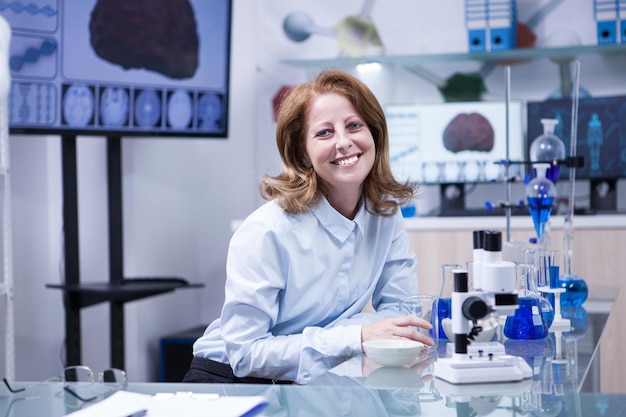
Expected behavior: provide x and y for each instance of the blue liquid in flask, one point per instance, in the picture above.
(527, 322)
(540, 209)
(576, 290)
(444, 310)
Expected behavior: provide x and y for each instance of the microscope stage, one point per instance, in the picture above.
(469, 370)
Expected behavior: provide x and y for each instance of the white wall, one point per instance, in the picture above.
(180, 195)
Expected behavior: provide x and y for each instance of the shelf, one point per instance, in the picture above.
(561, 53)
(94, 293)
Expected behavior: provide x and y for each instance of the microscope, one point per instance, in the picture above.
(495, 292)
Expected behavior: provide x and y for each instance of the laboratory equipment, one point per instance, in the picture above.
(576, 289)
(548, 148)
(528, 321)
(549, 268)
(546, 152)
(447, 286)
(355, 35)
(498, 295)
(540, 194)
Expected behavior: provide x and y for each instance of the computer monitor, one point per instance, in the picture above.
(158, 68)
(452, 144)
(601, 141)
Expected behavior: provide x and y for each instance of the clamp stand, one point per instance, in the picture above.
(559, 324)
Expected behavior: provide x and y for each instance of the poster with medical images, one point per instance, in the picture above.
(455, 142)
(102, 67)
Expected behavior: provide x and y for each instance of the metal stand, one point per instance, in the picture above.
(117, 291)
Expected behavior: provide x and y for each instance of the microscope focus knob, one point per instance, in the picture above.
(474, 308)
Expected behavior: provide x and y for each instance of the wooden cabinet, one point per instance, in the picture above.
(600, 242)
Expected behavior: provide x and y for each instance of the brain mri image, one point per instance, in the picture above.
(179, 109)
(78, 105)
(157, 35)
(469, 132)
(210, 111)
(147, 108)
(114, 106)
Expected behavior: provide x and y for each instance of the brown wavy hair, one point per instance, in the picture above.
(297, 188)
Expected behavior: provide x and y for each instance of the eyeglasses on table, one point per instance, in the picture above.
(79, 381)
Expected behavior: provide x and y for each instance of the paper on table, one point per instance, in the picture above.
(123, 404)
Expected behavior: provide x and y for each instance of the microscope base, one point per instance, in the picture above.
(466, 370)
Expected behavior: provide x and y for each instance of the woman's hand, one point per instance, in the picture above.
(397, 328)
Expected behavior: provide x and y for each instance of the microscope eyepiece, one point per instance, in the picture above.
(478, 238)
(492, 241)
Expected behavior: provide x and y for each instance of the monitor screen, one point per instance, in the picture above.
(131, 68)
(600, 132)
(460, 142)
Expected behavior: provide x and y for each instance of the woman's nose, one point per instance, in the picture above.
(343, 140)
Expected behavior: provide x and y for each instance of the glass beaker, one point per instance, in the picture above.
(576, 289)
(425, 307)
(444, 307)
(528, 321)
(547, 277)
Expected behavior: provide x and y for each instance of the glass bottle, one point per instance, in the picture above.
(444, 306)
(547, 148)
(540, 194)
(576, 289)
(528, 322)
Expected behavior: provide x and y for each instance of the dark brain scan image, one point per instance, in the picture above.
(157, 35)
(468, 132)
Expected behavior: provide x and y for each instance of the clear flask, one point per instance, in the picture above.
(576, 289)
(528, 322)
(444, 306)
(547, 146)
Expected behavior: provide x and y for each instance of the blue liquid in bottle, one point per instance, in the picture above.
(576, 290)
(527, 322)
(540, 209)
(444, 309)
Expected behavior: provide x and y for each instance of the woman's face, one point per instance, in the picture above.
(339, 146)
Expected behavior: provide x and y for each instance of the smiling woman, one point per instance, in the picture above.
(340, 149)
(302, 267)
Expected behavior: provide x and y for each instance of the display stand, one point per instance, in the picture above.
(118, 290)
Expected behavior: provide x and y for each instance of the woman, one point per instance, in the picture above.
(302, 267)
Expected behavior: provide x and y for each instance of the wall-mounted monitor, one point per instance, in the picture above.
(600, 140)
(601, 133)
(460, 142)
(127, 68)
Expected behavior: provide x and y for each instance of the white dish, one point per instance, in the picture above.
(393, 352)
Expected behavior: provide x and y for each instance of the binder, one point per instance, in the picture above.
(605, 12)
(502, 24)
(476, 24)
(491, 25)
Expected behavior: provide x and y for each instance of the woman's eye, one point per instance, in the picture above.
(323, 133)
(355, 125)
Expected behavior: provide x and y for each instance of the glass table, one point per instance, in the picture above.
(565, 382)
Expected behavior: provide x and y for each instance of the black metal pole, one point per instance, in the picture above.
(71, 248)
(116, 247)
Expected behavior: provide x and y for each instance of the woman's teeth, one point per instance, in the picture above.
(348, 161)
